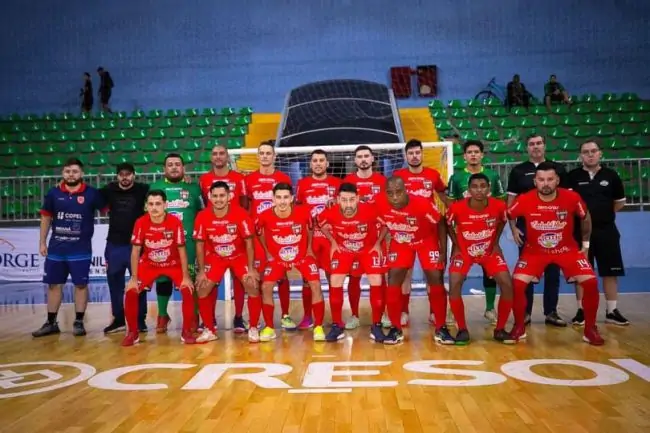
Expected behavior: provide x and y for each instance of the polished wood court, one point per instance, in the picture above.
(231, 405)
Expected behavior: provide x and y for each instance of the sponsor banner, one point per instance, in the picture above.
(20, 259)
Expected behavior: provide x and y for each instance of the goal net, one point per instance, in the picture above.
(294, 161)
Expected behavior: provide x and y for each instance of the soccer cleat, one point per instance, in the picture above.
(395, 336)
(239, 325)
(592, 337)
(78, 329)
(554, 319)
(404, 319)
(187, 337)
(287, 323)
(462, 337)
(306, 323)
(579, 319)
(490, 316)
(352, 323)
(253, 335)
(130, 339)
(47, 329)
(616, 318)
(385, 322)
(376, 333)
(442, 336)
(518, 332)
(336, 333)
(114, 327)
(267, 334)
(503, 336)
(162, 324)
(319, 333)
(206, 336)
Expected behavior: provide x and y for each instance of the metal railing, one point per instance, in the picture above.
(21, 197)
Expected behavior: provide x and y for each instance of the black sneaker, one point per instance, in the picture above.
(336, 333)
(377, 333)
(115, 327)
(239, 326)
(443, 336)
(616, 318)
(462, 337)
(503, 336)
(554, 319)
(395, 336)
(78, 329)
(579, 319)
(527, 319)
(47, 329)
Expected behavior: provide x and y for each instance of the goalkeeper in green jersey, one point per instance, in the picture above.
(183, 201)
(458, 189)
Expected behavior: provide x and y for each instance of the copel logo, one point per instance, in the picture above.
(28, 378)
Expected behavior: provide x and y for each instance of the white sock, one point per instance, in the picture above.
(611, 306)
(579, 302)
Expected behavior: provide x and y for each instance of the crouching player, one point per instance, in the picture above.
(158, 251)
(351, 229)
(224, 241)
(475, 225)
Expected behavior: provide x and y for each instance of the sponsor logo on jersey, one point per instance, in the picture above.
(355, 265)
(478, 250)
(428, 184)
(262, 195)
(288, 254)
(399, 227)
(317, 210)
(363, 228)
(543, 226)
(458, 263)
(561, 215)
(223, 239)
(521, 264)
(491, 222)
(547, 207)
(178, 203)
(353, 246)
(376, 189)
(318, 199)
(185, 194)
(421, 193)
(353, 236)
(296, 228)
(331, 191)
(335, 264)
(154, 245)
(402, 238)
(68, 216)
(287, 240)
(392, 257)
(478, 236)
(225, 250)
(81, 199)
(168, 234)
(265, 205)
(232, 228)
(550, 240)
(411, 221)
(159, 256)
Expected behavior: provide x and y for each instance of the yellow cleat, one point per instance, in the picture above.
(267, 334)
(319, 333)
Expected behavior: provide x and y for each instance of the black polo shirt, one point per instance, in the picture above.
(599, 193)
(125, 206)
(521, 178)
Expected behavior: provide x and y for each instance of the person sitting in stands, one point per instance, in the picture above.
(554, 92)
(517, 93)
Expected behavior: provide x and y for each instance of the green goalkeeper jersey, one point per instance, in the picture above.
(184, 201)
(459, 184)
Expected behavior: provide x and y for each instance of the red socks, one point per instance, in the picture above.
(306, 299)
(131, 302)
(319, 312)
(377, 303)
(406, 299)
(267, 312)
(187, 307)
(590, 302)
(336, 304)
(354, 294)
(503, 312)
(207, 310)
(254, 310)
(238, 295)
(394, 305)
(438, 304)
(519, 302)
(458, 308)
(284, 295)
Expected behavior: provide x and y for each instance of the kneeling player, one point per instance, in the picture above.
(158, 251)
(285, 233)
(224, 241)
(475, 227)
(351, 230)
(550, 213)
(415, 230)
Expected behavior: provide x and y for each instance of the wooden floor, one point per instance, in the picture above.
(506, 400)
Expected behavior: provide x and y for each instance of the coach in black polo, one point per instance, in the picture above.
(602, 190)
(521, 181)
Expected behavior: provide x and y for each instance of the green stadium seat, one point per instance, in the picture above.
(469, 135)
(221, 121)
(10, 209)
(8, 191)
(143, 159)
(227, 111)
(561, 109)
(459, 113)
(627, 130)
(639, 142)
(499, 148)
(218, 132)
(589, 97)
(108, 147)
(571, 120)
(641, 106)
(137, 114)
(459, 163)
(121, 115)
(557, 132)
(510, 133)
(144, 123)
(549, 121)
(49, 149)
(563, 145)
(204, 157)
(98, 160)
(235, 143)
(242, 120)
(154, 114)
(519, 111)
(87, 147)
(197, 133)
(498, 112)
(134, 134)
(507, 159)
(158, 159)
(192, 145)
(582, 131)
(170, 146)
(539, 110)
(438, 113)
(70, 126)
(474, 103)
(491, 135)
(148, 146)
(632, 191)
(528, 122)
(629, 97)
(208, 112)
(7, 150)
(127, 146)
(614, 144)
(493, 102)
(624, 174)
(457, 149)
(436, 104)
(172, 113)
(507, 123)
(117, 158)
(609, 97)
(30, 161)
(163, 122)
(593, 119)
(202, 122)
(188, 157)
(10, 163)
(583, 108)
(485, 124)
(26, 150)
(635, 117)
(175, 133)
(455, 103)
(464, 124)
(191, 112)
(32, 191)
(605, 130)
(245, 111)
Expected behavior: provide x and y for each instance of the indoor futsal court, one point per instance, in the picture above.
(552, 382)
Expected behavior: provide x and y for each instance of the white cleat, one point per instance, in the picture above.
(206, 336)
(352, 323)
(253, 335)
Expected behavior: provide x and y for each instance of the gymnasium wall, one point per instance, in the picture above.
(170, 54)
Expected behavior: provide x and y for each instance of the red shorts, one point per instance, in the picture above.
(492, 264)
(147, 274)
(358, 264)
(321, 248)
(260, 256)
(402, 256)
(572, 264)
(276, 270)
(216, 267)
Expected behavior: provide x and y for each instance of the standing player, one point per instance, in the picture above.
(259, 187)
(458, 190)
(475, 227)
(316, 192)
(224, 240)
(158, 250)
(369, 185)
(415, 230)
(184, 202)
(550, 214)
(69, 209)
(235, 180)
(285, 233)
(350, 229)
(420, 182)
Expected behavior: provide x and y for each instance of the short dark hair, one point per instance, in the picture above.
(412, 144)
(220, 184)
(533, 135)
(282, 186)
(477, 143)
(591, 140)
(478, 176)
(546, 166)
(348, 187)
(73, 161)
(157, 193)
(100, 69)
(125, 166)
(318, 152)
(270, 143)
(361, 148)
(174, 155)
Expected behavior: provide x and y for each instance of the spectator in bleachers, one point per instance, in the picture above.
(517, 93)
(554, 92)
(87, 94)
(105, 88)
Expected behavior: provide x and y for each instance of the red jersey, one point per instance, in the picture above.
(356, 234)
(316, 194)
(476, 231)
(259, 188)
(223, 236)
(234, 179)
(421, 184)
(367, 188)
(411, 224)
(286, 238)
(549, 224)
(159, 242)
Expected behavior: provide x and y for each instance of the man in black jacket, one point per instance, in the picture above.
(105, 88)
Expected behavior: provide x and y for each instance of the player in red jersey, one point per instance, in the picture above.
(285, 233)
(422, 182)
(316, 192)
(224, 241)
(158, 250)
(350, 229)
(235, 180)
(369, 186)
(475, 225)
(550, 213)
(259, 187)
(415, 230)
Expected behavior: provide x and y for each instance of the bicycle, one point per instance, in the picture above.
(492, 91)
